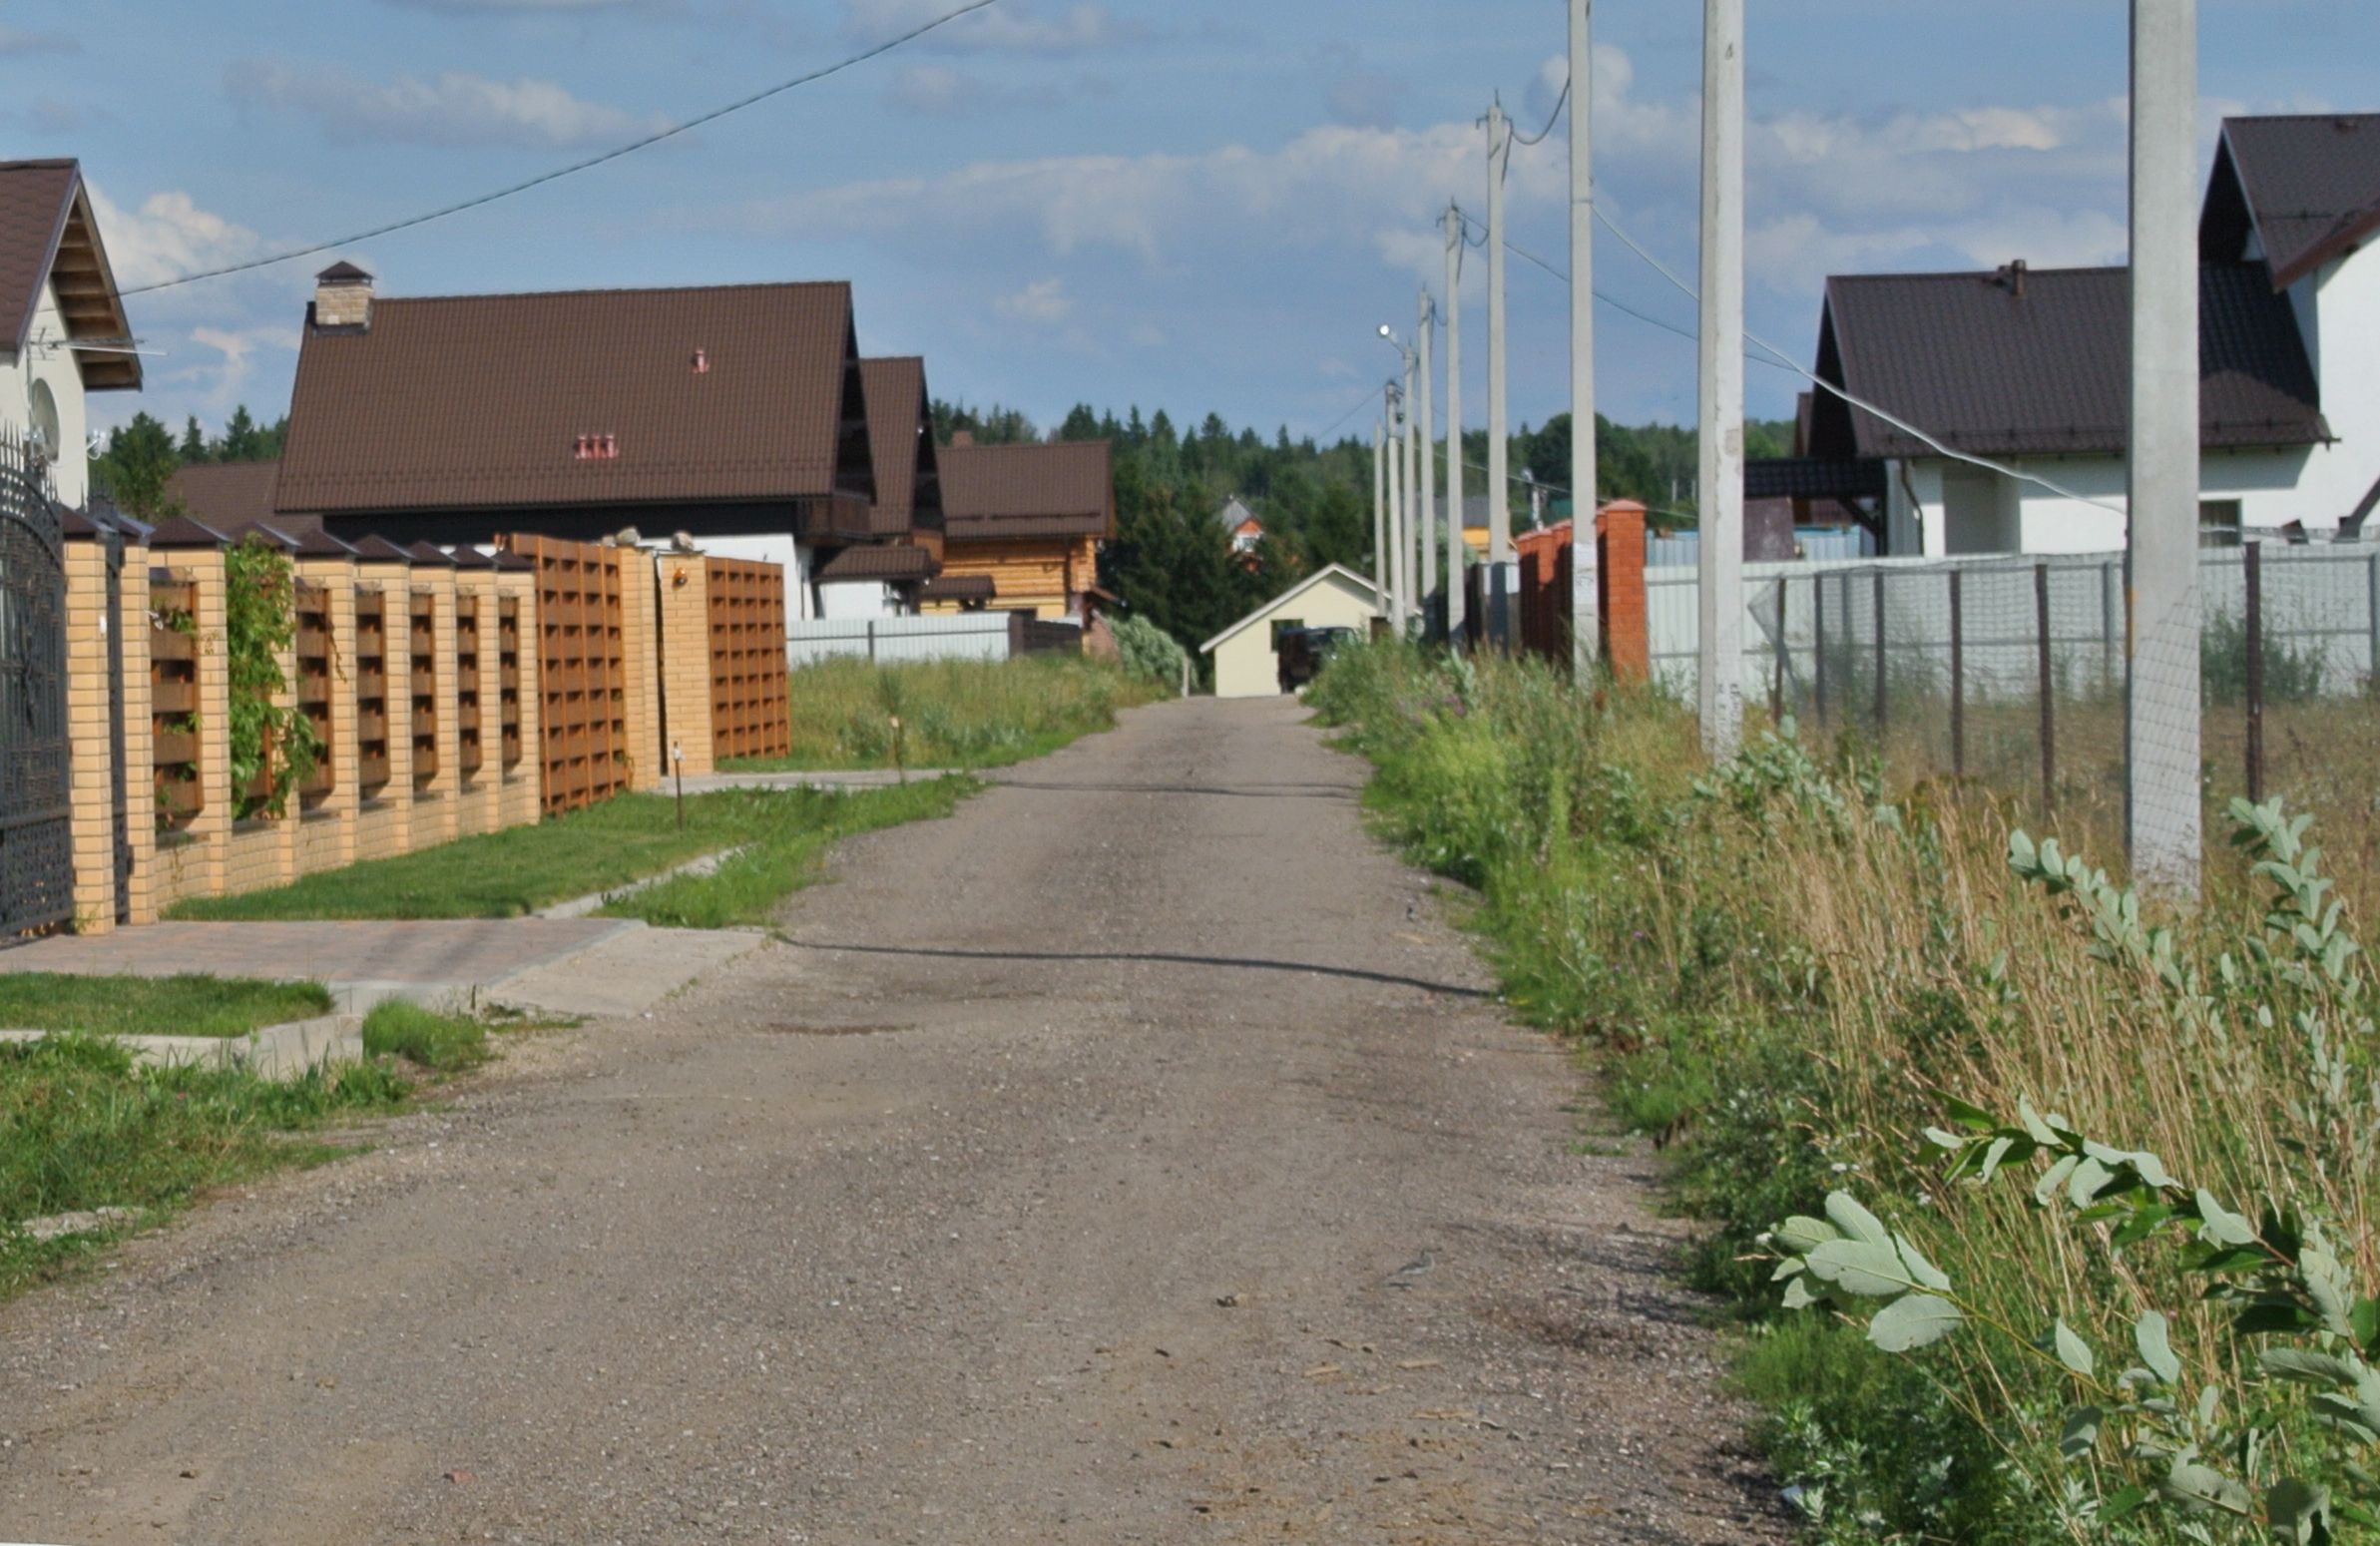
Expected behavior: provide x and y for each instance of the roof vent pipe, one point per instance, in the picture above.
(701, 362)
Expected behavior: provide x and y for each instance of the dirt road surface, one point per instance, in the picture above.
(1137, 1157)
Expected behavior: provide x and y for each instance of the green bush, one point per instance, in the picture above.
(1149, 651)
(444, 1043)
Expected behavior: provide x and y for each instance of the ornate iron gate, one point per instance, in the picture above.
(36, 847)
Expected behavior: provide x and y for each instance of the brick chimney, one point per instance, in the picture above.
(344, 299)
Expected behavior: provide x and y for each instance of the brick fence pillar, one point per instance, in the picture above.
(1619, 589)
(639, 630)
(90, 735)
(686, 660)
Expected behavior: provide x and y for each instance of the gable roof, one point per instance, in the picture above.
(1235, 514)
(1290, 594)
(901, 442)
(1065, 488)
(2306, 187)
(48, 235)
(2037, 363)
(879, 560)
(730, 394)
(226, 494)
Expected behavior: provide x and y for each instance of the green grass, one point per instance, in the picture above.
(504, 874)
(788, 832)
(953, 714)
(82, 1127)
(443, 1043)
(186, 1005)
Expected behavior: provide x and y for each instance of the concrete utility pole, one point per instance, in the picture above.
(1426, 318)
(1400, 559)
(1380, 510)
(1499, 475)
(1721, 550)
(1585, 598)
(1414, 601)
(2162, 721)
(1455, 600)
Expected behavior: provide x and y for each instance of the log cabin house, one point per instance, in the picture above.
(1023, 527)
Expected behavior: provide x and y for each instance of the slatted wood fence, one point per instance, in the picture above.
(749, 713)
(582, 670)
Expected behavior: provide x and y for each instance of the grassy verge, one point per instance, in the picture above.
(508, 873)
(186, 1005)
(426, 1038)
(785, 833)
(953, 714)
(1785, 966)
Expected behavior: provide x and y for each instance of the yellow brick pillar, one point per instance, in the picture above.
(640, 660)
(523, 794)
(140, 738)
(686, 660)
(384, 818)
(327, 836)
(89, 733)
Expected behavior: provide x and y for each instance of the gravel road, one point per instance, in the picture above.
(1136, 1156)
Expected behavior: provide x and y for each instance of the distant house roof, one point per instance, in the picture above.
(1326, 572)
(226, 494)
(901, 439)
(880, 562)
(1065, 488)
(959, 586)
(747, 393)
(1475, 511)
(1234, 515)
(48, 235)
(2306, 187)
(2037, 363)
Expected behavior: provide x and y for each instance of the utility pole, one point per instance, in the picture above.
(1399, 560)
(1415, 602)
(2161, 718)
(1585, 590)
(1499, 476)
(1380, 512)
(1426, 318)
(1455, 598)
(1721, 550)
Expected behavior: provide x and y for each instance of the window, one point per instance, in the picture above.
(2219, 523)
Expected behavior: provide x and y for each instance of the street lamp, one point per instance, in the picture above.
(1405, 515)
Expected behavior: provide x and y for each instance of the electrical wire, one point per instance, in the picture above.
(1622, 306)
(1361, 404)
(559, 173)
(1552, 118)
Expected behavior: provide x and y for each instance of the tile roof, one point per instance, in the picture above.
(877, 562)
(1065, 488)
(48, 233)
(908, 486)
(959, 586)
(2308, 185)
(2003, 365)
(226, 494)
(743, 393)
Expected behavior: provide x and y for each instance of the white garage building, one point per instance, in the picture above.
(1246, 663)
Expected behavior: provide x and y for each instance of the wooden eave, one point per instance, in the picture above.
(87, 300)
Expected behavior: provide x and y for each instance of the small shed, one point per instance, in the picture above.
(1246, 663)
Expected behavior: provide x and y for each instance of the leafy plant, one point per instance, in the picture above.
(270, 738)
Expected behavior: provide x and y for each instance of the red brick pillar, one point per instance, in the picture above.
(1619, 586)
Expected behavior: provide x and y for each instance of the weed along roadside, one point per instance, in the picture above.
(2040, 1221)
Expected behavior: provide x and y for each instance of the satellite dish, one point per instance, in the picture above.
(42, 438)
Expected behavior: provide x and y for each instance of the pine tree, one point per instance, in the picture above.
(193, 442)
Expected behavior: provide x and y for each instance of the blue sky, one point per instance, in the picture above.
(1196, 207)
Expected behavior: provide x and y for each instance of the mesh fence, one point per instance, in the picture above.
(2011, 671)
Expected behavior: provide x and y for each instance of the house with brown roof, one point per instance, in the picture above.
(2031, 367)
(736, 415)
(1024, 527)
(882, 578)
(62, 318)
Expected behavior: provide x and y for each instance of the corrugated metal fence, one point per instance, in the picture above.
(970, 636)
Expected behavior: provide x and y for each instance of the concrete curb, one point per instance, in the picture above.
(274, 1052)
(594, 901)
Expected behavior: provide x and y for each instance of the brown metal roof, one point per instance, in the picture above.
(2308, 186)
(959, 586)
(874, 562)
(1065, 488)
(2003, 365)
(744, 392)
(226, 494)
(900, 436)
(48, 234)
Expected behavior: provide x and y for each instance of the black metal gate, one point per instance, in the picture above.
(36, 843)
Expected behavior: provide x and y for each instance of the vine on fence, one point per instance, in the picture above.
(271, 740)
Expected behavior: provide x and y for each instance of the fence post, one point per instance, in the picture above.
(1818, 639)
(2107, 625)
(2371, 611)
(2049, 699)
(1776, 659)
(871, 641)
(2252, 562)
(1958, 679)
(1880, 678)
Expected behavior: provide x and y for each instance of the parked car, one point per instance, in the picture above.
(1306, 651)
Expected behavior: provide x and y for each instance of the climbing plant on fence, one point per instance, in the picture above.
(274, 745)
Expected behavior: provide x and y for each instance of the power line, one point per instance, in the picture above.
(1361, 404)
(1552, 118)
(559, 173)
(1616, 304)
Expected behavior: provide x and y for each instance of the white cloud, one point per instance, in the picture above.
(167, 237)
(940, 91)
(217, 383)
(1043, 303)
(454, 108)
(1014, 27)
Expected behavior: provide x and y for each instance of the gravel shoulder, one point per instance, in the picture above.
(1136, 1156)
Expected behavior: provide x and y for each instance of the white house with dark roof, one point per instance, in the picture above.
(61, 320)
(2030, 368)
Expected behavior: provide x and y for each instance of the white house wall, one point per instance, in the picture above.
(55, 367)
(2273, 488)
(857, 601)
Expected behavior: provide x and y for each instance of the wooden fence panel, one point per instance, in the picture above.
(582, 675)
(749, 713)
(180, 793)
